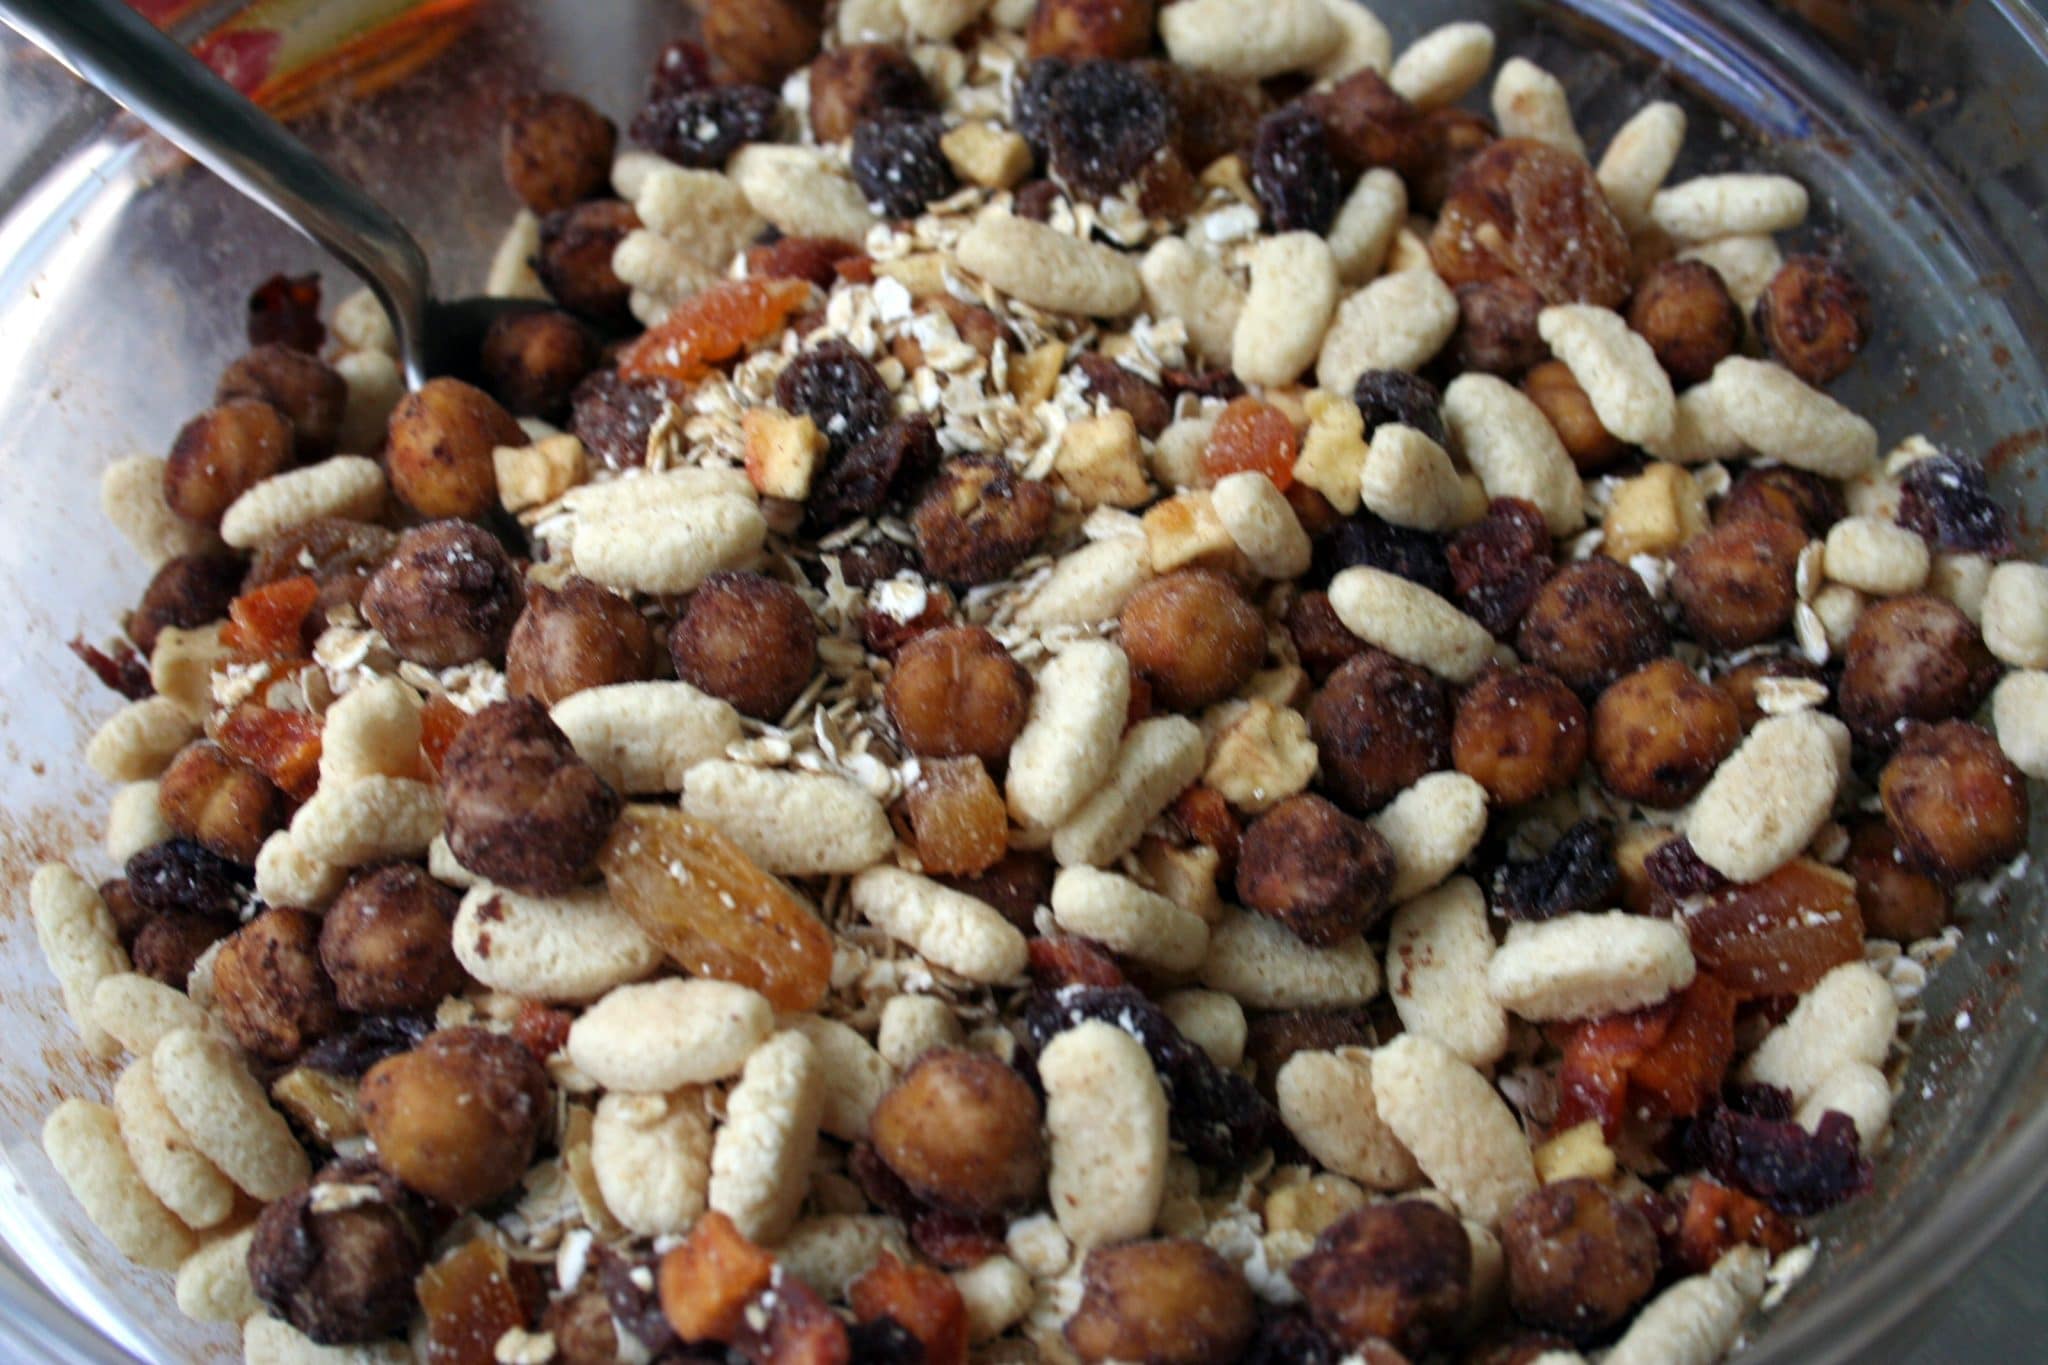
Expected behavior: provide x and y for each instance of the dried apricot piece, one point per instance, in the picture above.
(441, 720)
(471, 1298)
(1717, 1220)
(922, 1299)
(1780, 935)
(707, 1280)
(1599, 1054)
(959, 818)
(282, 745)
(707, 905)
(1682, 1074)
(268, 625)
(713, 327)
(1256, 436)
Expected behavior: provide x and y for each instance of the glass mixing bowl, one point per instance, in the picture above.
(123, 275)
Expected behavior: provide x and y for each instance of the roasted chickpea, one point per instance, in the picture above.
(523, 809)
(441, 439)
(1519, 733)
(1790, 495)
(1443, 142)
(856, 81)
(1659, 733)
(1742, 683)
(556, 149)
(308, 391)
(576, 637)
(336, 1258)
(1590, 623)
(1320, 873)
(223, 453)
(1737, 585)
(1401, 1272)
(1194, 637)
(448, 595)
(1955, 802)
(1320, 640)
(1081, 30)
(956, 692)
(457, 1117)
(533, 361)
(1380, 724)
(1169, 1302)
(1578, 1258)
(269, 986)
(386, 942)
(187, 592)
(222, 805)
(1814, 318)
(1898, 901)
(575, 260)
(1553, 387)
(962, 1130)
(761, 41)
(749, 639)
(1497, 327)
(581, 1324)
(168, 946)
(338, 554)
(980, 520)
(1912, 658)
(1684, 310)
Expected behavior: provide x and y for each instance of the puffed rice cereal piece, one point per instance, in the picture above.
(801, 191)
(2016, 614)
(651, 1155)
(831, 1251)
(375, 384)
(1367, 46)
(1398, 322)
(535, 475)
(1876, 557)
(345, 486)
(997, 1294)
(1089, 585)
(132, 497)
(761, 1159)
(1127, 918)
(1529, 102)
(1432, 828)
(703, 211)
(287, 875)
(225, 1113)
(948, 928)
(1629, 391)
(856, 1077)
(1326, 1101)
(1695, 1321)
(1771, 796)
(213, 1282)
(1211, 1020)
(182, 664)
(1181, 282)
(1443, 66)
(1439, 947)
(1961, 580)
(137, 1011)
(134, 822)
(1514, 450)
(1409, 480)
(1224, 37)
(793, 824)
(912, 1025)
(1579, 966)
(645, 737)
(2019, 716)
(361, 324)
(83, 1141)
(1068, 746)
(368, 821)
(1288, 308)
(1781, 417)
(667, 1034)
(139, 741)
(1048, 269)
(1105, 1113)
(1259, 754)
(1410, 622)
(555, 949)
(1638, 161)
(1716, 206)
(1849, 1017)
(1334, 452)
(1461, 1133)
(1700, 429)
(372, 731)
(1857, 1090)
(1262, 524)
(80, 943)
(273, 1341)
(1373, 212)
(1185, 876)
(1266, 968)
(667, 550)
(1158, 760)
(511, 274)
(189, 1185)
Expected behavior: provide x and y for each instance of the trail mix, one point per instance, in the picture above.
(1101, 686)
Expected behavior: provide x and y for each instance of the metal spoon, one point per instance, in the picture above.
(123, 56)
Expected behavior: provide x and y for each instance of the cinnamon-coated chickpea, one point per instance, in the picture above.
(387, 942)
(856, 81)
(1380, 724)
(1321, 641)
(957, 692)
(1590, 623)
(1194, 636)
(457, 1118)
(980, 520)
(1659, 733)
(1814, 318)
(225, 806)
(1082, 30)
(1579, 1259)
(1519, 733)
(1898, 901)
(1791, 495)
(962, 1130)
(441, 438)
(575, 637)
(1497, 331)
(270, 988)
(168, 946)
(749, 639)
(575, 260)
(338, 554)
(187, 592)
(532, 362)
(308, 391)
(1743, 682)
(1553, 387)
(761, 41)
(341, 1273)
(523, 808)
(448, 595)
(1684, 310)
(1400, 1272)
(556, 149)
(1912, 658)
(1169, 1302)
(1737, 585)
(1316, 870)
(223, 453)
(1955, 802)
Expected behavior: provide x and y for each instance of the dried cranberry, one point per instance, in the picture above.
(1775, 1160)
(369, 1041)
(1678, 871)
(1216, 1114)
(1104, 124)
(1948, 501)
(613, 416)
(1365, 539)
(1397, 396)
(898, 163)
(836, 387)
(1500, 562)
(860, 482)
(1294, 172)
(884, 1341)
(179, 876)
(1065, 960)
(703, 128)
(124, 670)
(1577, 874)
(1289, 1338)
(1031, 106)
(285, 311)
(682, 67)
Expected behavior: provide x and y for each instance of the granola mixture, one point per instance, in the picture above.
(1101, 686)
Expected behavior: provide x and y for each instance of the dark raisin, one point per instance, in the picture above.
(898, 163)
(703, 128)
(1294, 172)
(860, 482)
(884, 1341)
(1016, 886)
(285, 311)
(129, 914)
(1031, 106)
(1948, 501)
(1035, 200)
(179, 876)
(1289, 1338)
(1440, 145)
(1500, 562)
(1576, 875)
(1213, 115)
(1216, 1114)
(613, 415)
(167, 948)
(1104, 123)
(1779, 1162)
(1121, 388)
(1067, 960)
(1365, 539)
(956, 1241)
(1677, 870)
(1201, 383)
(124, 671)
(1497, 326)
(682, 67)
(1369, 124)
(629, 1288)
(365, 1043)
(863, 566)
(836, 387)
(1397, 396)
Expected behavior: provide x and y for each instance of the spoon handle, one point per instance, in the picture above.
(122, 55)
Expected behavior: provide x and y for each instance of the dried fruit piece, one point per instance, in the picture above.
(471, 1298)
(1780, 935)
(1252, 436)
(124, 671)
(1370, 124)
(1104, 124)
(1682, 1072)
(1948, 500)
(898, 164)
(1592, 1082)
(178, 876)
(960, 820)
(837, 388)
(1149, 407)
(1779, 1162)
(800, 258)
(1062, 960)
(613, 416)
(703, 128)
(708, 1279)
(1526, 209)
(800, 1329)
(1577, 875)
(924, 1301)
(284, 310)
(282, 745)
(693, 892)
(1717, 1219)
(1294, 171)
(711, 328)
(268, 624)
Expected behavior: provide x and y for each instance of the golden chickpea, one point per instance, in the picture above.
(270, 988)
(441, 439)
(228, 808)
(957, 692)
(1659, 733)
(1194, 637)
(308, 391)
(1171, 1302)
(1684, 310)
(1590, 623)
(1520, 734)
(1578, 1259)
(1955, 802)
(576, 637)
(761, 41)
(1814, 317)
(962, 1130)
(1737, 585)
(1553, 387)
(457, 1118)
(556, 149)
(223, 453)
(749, 639)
